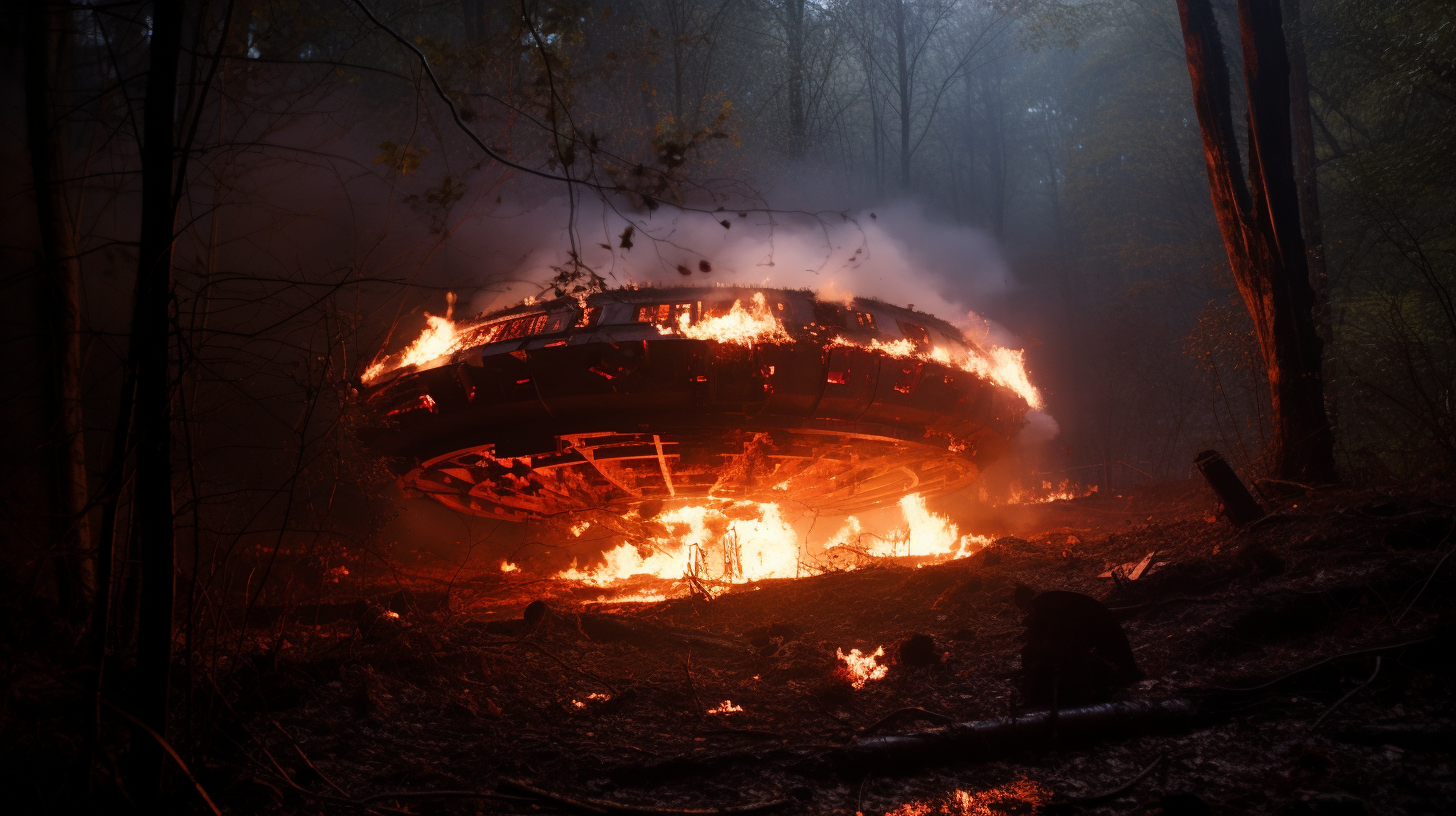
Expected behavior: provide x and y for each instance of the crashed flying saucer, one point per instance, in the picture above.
(634, 397)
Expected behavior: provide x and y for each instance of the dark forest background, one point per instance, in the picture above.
(329, 189)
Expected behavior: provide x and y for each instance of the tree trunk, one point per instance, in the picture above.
(876, 126)
(1259, 220)
(1306, 176)
(61, 302)
(794, 34)
(677, 17)
(968, 144)
(151, 338)
(995, 153)
(902, 68)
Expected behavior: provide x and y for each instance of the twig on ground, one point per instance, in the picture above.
(753, 732)
(688, 672)
(1348, 695)
(892, 715)
(446, 794)
(558, 660)
(323, 797)
(603, 807)
(1430, 577)
(1073, 802)
(166, 746)
(308, 761)
(1276, 681)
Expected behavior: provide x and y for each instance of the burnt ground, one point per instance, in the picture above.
(612, 706)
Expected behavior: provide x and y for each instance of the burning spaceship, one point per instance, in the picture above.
(633, 398)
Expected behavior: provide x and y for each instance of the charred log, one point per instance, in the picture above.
(1238, 504)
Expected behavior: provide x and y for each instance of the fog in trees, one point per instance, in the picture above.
(195, 285)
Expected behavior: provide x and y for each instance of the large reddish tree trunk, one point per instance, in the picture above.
(1259, 219)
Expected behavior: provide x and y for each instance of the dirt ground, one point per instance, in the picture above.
(613, 706)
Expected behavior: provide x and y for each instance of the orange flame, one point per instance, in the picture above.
(860, 668)
(707, 543)
(726, 707)
(437, 340)
(1006, 367)
(925, 533)
(740, 542)
(1020, 796)
(745, 326)
(1063, 492)
(1002, 366)
(632, 597)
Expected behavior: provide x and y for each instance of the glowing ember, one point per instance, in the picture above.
(746, 326)
(390, 613)
(507, 566)
(632, 597)
(594, 697)
(1021, 796)
(1063, 492)
(579, 528)
(860, 668)
(726, 707)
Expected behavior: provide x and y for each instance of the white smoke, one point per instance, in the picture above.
(896, 253)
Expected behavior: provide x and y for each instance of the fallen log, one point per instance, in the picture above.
(1070, 804)
(1002, 736)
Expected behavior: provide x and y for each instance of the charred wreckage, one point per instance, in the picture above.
(632, 398)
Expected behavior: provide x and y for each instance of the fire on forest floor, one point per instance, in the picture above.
(753, 702)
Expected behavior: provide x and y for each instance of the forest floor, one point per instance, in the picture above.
(577, 708)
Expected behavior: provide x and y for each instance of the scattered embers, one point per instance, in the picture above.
(450, 706)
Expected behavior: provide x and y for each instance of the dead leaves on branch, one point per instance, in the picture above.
(437, 201)
(402, 159)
